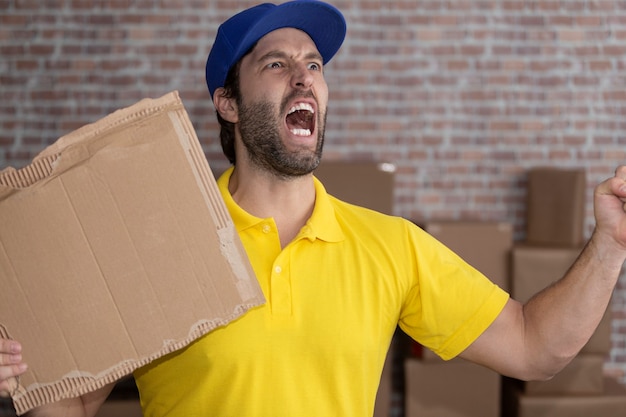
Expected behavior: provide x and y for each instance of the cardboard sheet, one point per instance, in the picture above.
(115, 249)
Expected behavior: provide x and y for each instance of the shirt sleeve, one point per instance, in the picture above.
(449, 303)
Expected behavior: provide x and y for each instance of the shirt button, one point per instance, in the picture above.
(278, 269)
(266, 228)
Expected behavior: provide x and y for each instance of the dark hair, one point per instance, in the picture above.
(227, 131)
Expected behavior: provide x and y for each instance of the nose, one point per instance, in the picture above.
(302, 77)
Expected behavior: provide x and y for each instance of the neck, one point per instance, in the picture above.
(289, 201)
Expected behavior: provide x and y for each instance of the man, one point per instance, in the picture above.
(339, 278)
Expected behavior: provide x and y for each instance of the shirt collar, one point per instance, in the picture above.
(321, 225)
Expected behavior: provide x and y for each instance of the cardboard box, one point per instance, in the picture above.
(556, 206)
(364, 183)
(115, 249)
(536, 267)
(367, 184)
(484, 245)
(584, 375)
(451, 389)
(611, 403)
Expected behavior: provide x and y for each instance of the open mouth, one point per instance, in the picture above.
(301, 120)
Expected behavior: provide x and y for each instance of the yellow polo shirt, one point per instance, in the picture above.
(334, 297)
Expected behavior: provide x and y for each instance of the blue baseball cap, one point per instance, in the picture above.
(321, 21)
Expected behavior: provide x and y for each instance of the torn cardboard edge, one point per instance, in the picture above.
(72, 385)
(30, 174)
(53, 162)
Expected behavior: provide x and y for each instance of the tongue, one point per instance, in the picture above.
(299, 120)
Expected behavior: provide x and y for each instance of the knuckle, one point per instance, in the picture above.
(6, 346)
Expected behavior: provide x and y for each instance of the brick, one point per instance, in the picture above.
(13, 19)
(40, 49)
(26, 65)
(7, 50)
(571, 35)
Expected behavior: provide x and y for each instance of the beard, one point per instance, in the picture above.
(259, 125)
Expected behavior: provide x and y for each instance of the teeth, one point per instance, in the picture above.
(301, 132)
(301, 106)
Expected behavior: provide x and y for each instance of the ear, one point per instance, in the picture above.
(226, 107)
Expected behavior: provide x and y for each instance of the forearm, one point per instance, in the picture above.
(536, 340)
(559, 320)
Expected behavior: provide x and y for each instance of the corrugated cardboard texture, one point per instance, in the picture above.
(115, 249)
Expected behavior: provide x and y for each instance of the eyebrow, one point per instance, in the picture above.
(280, 54)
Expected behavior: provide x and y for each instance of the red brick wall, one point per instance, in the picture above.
(463, 96)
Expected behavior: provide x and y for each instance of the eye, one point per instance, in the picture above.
(315, 66)
(274, 65)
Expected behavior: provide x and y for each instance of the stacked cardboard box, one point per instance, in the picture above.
(611, 402)
(458, 388)
(484, 245)
(554, 239)
(367, 184)
(536, 267)
(555, 213)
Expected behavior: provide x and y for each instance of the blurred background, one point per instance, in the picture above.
(464, 98)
